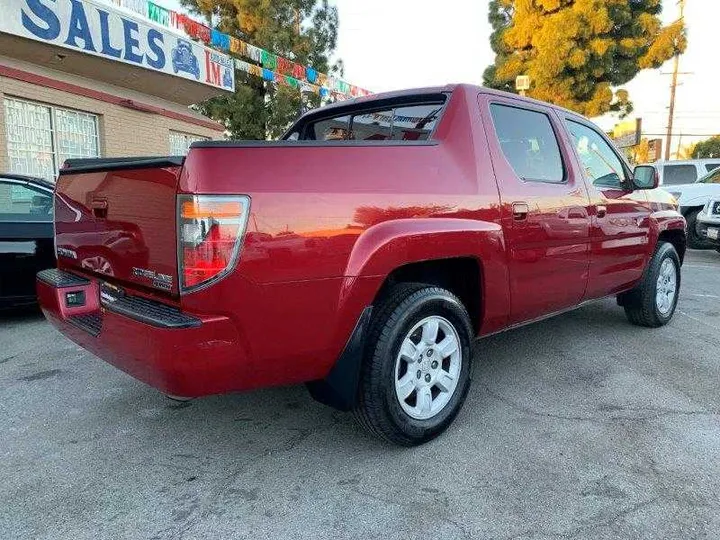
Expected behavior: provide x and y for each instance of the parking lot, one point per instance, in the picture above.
(581, 426)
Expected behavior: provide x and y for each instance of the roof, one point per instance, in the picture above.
(436, 90)
(41, 182)
(388, 95)
(686, 161)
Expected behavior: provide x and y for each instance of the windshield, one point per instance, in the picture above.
(713, 177)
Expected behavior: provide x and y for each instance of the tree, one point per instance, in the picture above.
(686, 151)
(304, 31)
(641, 152)
(577, 51)
(709, 148)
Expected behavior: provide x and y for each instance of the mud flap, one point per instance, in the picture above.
(339, 388)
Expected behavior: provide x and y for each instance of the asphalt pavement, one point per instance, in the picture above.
(581, 426)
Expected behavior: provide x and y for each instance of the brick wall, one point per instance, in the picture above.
(123, 131)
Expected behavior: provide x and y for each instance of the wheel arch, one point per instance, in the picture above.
(465, 256)
(677, 238)
(686, 209)
(462, 276)
(668, 226)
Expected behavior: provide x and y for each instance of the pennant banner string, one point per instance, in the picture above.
(271, 67)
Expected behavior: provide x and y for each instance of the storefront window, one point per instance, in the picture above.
(180, 142)
(76, 134)
(40, 138)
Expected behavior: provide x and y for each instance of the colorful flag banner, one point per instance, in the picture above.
(283, 70)
(158, 14)
(220, 40)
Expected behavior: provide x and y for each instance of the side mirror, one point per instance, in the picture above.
(645, 177)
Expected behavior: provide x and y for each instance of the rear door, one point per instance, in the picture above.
(620, 216)
(544, 207)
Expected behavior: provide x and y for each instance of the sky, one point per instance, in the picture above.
(395, 44)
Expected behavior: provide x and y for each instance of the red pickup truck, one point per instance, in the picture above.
(362, 254)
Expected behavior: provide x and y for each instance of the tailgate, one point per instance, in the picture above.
(116, 218)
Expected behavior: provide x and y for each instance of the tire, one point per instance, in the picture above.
(643, 305)
(695, 241)
(379, 408)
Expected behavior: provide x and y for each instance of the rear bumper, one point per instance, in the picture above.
(176, 352)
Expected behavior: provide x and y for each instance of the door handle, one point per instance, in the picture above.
(520, 211)
(99, 208)
(601, 210)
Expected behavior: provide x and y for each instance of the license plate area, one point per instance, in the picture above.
(110, 294)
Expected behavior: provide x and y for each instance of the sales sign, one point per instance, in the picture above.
(100, 30)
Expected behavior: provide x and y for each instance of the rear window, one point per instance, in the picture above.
(679, 174)
(411, 122)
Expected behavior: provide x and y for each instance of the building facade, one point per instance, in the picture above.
(81, 78)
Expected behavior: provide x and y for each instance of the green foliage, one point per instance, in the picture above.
(577, 51)
(709, 148)
(259, 110)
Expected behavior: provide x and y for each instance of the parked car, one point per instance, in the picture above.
(709, 222)
(365, 266)
(692, 198)
(26, 236)
(673, 173)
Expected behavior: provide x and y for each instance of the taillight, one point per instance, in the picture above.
(210, 233)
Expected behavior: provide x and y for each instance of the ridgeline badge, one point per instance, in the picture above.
(159, 281)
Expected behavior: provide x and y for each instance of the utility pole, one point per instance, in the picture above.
(673, 89)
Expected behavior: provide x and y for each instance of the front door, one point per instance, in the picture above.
(545, 207)
(621, 216)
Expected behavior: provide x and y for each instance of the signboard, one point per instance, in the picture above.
(522, 82)
(100, 30)
(627, 133)
(654, 150)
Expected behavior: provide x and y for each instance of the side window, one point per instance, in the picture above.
(679, 174)
(711, 166)
(528, 142)
(711, 178)
(22, 203)
(600, 162)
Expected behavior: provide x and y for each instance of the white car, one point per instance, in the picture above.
(687, 171)
(692, 198)
(708, 222)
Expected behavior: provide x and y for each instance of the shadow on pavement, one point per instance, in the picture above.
(20, 314)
